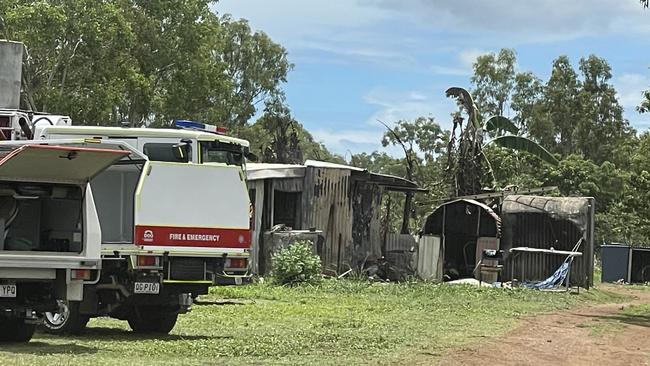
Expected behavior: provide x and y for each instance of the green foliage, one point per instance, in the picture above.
(500, 124)
(519, 143)
(296, 264)
(465, 157)
(277, 137)
(644, 107)
(148, 62)
(494, 76)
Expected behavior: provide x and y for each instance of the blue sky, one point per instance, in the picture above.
(357, 61)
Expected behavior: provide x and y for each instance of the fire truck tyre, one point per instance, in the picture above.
(15, 330)
(147, 320)
(68, 321)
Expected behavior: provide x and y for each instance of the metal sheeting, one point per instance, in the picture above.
(548, 222)
(259, 171)
(399, 242)
(430, 258)
(440, 216)
(574, 209)
(325, 164)
(328, 207)
(399, 251)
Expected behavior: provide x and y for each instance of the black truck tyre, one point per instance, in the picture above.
(16, 330)
(152, 320)
(69, 321)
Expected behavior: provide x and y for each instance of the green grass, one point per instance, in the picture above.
(334, 323)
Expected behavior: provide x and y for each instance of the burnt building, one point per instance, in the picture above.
(536, 233)
(337, 206)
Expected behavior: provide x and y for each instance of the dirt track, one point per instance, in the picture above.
(593, 335)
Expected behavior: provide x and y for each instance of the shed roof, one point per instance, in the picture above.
(325, 164)
(482, 205)
(575, 209)
(257, 171)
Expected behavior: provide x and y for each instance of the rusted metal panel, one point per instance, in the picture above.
(327, 207)
(545, 223)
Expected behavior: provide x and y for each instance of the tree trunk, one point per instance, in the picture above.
(408, 202)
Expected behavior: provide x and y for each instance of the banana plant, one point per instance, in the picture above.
(465, 159)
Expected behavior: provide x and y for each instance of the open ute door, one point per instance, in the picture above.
(56, 164)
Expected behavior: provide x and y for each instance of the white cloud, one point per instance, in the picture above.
(468, 57)
(630, 88)
(350, 141)
(396, 105)
(539, 20)
(355, 51)
(297, 18)
(392, 106)
(453, 71)
(464, 66)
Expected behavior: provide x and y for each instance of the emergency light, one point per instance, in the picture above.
(193, 125)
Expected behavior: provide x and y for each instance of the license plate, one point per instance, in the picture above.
(147, 288)
(7, 290)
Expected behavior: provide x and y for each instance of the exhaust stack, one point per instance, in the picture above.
(11, 61)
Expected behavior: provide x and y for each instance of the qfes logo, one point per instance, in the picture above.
(147, 236)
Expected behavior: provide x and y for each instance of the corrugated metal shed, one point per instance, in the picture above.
(343, 202)
(545, 223)
(460, 224)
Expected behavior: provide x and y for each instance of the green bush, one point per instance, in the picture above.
(296, 264)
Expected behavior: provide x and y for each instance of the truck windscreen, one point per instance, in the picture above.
(220, 152)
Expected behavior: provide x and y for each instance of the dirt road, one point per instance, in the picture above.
(608, 334)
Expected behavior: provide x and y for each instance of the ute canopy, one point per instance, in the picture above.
(56, 164)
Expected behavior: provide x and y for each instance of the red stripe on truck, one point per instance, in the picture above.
(192, 237)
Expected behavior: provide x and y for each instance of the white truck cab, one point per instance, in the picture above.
(50, 236)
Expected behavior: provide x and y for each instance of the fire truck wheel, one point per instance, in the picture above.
(67, 321)
(148, 320)
(15, 330)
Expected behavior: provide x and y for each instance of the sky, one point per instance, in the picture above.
(360, 61)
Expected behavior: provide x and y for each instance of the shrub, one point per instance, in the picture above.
(296, 264)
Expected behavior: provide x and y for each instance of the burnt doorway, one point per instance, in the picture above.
(286, 208)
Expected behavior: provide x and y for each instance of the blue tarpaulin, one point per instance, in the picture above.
(555, 280)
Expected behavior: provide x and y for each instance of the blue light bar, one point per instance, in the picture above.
(179, 123)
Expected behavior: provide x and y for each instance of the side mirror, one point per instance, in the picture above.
(251, 157)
